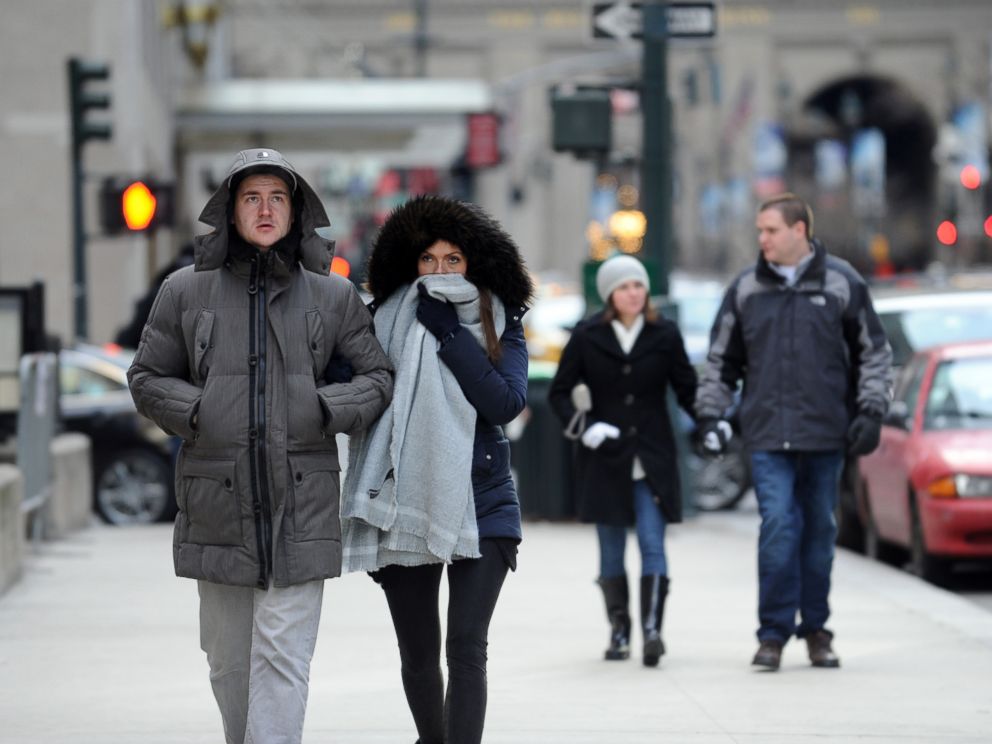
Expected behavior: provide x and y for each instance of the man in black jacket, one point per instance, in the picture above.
(799, 328)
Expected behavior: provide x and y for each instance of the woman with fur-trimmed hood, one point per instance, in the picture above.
(429, 486)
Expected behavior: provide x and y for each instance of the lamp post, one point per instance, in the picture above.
(656, 160)
(195, 20)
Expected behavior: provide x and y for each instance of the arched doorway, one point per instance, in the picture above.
(901, 226)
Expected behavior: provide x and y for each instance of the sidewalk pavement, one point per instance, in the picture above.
(99, 645)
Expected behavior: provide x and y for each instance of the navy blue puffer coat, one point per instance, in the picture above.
(497, 391)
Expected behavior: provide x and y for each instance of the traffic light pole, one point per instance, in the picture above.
(656, 160)
(81, 101)
(78, 245)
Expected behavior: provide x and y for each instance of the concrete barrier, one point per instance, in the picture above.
(11, 526)
(71, 505)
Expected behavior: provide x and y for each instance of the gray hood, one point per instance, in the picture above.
(316, 252)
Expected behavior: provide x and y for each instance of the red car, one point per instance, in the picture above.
(928, 487)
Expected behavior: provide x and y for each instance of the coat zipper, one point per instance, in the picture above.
(262, 393)
(255, 313)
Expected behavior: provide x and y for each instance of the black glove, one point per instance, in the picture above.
(437, 316)
(863, 434)
(714, 435)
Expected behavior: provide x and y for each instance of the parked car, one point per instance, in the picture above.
(914, 319)
(927, 489)
(131, 456)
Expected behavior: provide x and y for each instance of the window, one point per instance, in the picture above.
(960, 396)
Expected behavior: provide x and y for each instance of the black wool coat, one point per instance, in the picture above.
(628, 391)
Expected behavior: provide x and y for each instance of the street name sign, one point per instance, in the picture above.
(622, 20)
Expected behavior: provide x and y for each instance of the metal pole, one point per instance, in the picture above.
(656, 165)
(78, 244)
(420, 40)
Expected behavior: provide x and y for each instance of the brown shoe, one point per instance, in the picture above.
(769, 655)
(820, 652)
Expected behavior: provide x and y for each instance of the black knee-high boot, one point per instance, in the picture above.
(617, 598)
(654, 589)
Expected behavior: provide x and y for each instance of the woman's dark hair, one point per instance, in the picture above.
(493, 349)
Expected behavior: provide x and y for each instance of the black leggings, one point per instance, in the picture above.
(458, 716)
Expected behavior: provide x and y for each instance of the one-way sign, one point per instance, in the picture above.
(622, 20)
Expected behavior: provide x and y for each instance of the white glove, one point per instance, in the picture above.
(715, 441)
(598, 433)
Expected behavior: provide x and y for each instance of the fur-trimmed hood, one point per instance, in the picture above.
(494, 261)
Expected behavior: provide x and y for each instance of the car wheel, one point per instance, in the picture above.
(720, 483)
(923, 564)
(134, 486)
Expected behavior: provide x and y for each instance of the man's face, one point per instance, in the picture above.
(781, 244)
(263, 210)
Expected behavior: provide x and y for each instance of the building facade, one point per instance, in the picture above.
(855, 105)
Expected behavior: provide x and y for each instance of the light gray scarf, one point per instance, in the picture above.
(407, 498)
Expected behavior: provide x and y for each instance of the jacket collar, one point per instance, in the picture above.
(815, 271)
(601, 334)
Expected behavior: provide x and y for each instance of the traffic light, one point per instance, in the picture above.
(81, 101)
(581, 121)
(135, 205)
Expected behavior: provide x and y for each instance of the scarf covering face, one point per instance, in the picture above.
(407, 498)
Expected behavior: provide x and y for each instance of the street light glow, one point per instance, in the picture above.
(971, 177)
(947, 233)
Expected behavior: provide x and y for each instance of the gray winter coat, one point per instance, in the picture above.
(241, 342)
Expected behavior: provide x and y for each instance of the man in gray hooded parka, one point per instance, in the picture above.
(233, 360)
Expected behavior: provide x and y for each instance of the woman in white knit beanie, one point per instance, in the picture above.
(627, 475)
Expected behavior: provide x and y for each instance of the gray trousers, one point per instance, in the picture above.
(259, 644)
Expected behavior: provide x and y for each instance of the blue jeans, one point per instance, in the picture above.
(650, 525)
(797, 495)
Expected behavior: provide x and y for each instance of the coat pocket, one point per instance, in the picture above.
(315, 489)
(489, 457)
(202, 344)
(315, 342)
(208, 497)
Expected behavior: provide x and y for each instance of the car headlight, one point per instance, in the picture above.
(961, 486)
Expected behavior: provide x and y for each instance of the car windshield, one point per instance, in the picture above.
(960, 395)
(919, 328)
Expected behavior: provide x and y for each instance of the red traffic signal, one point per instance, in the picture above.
(135, 205)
